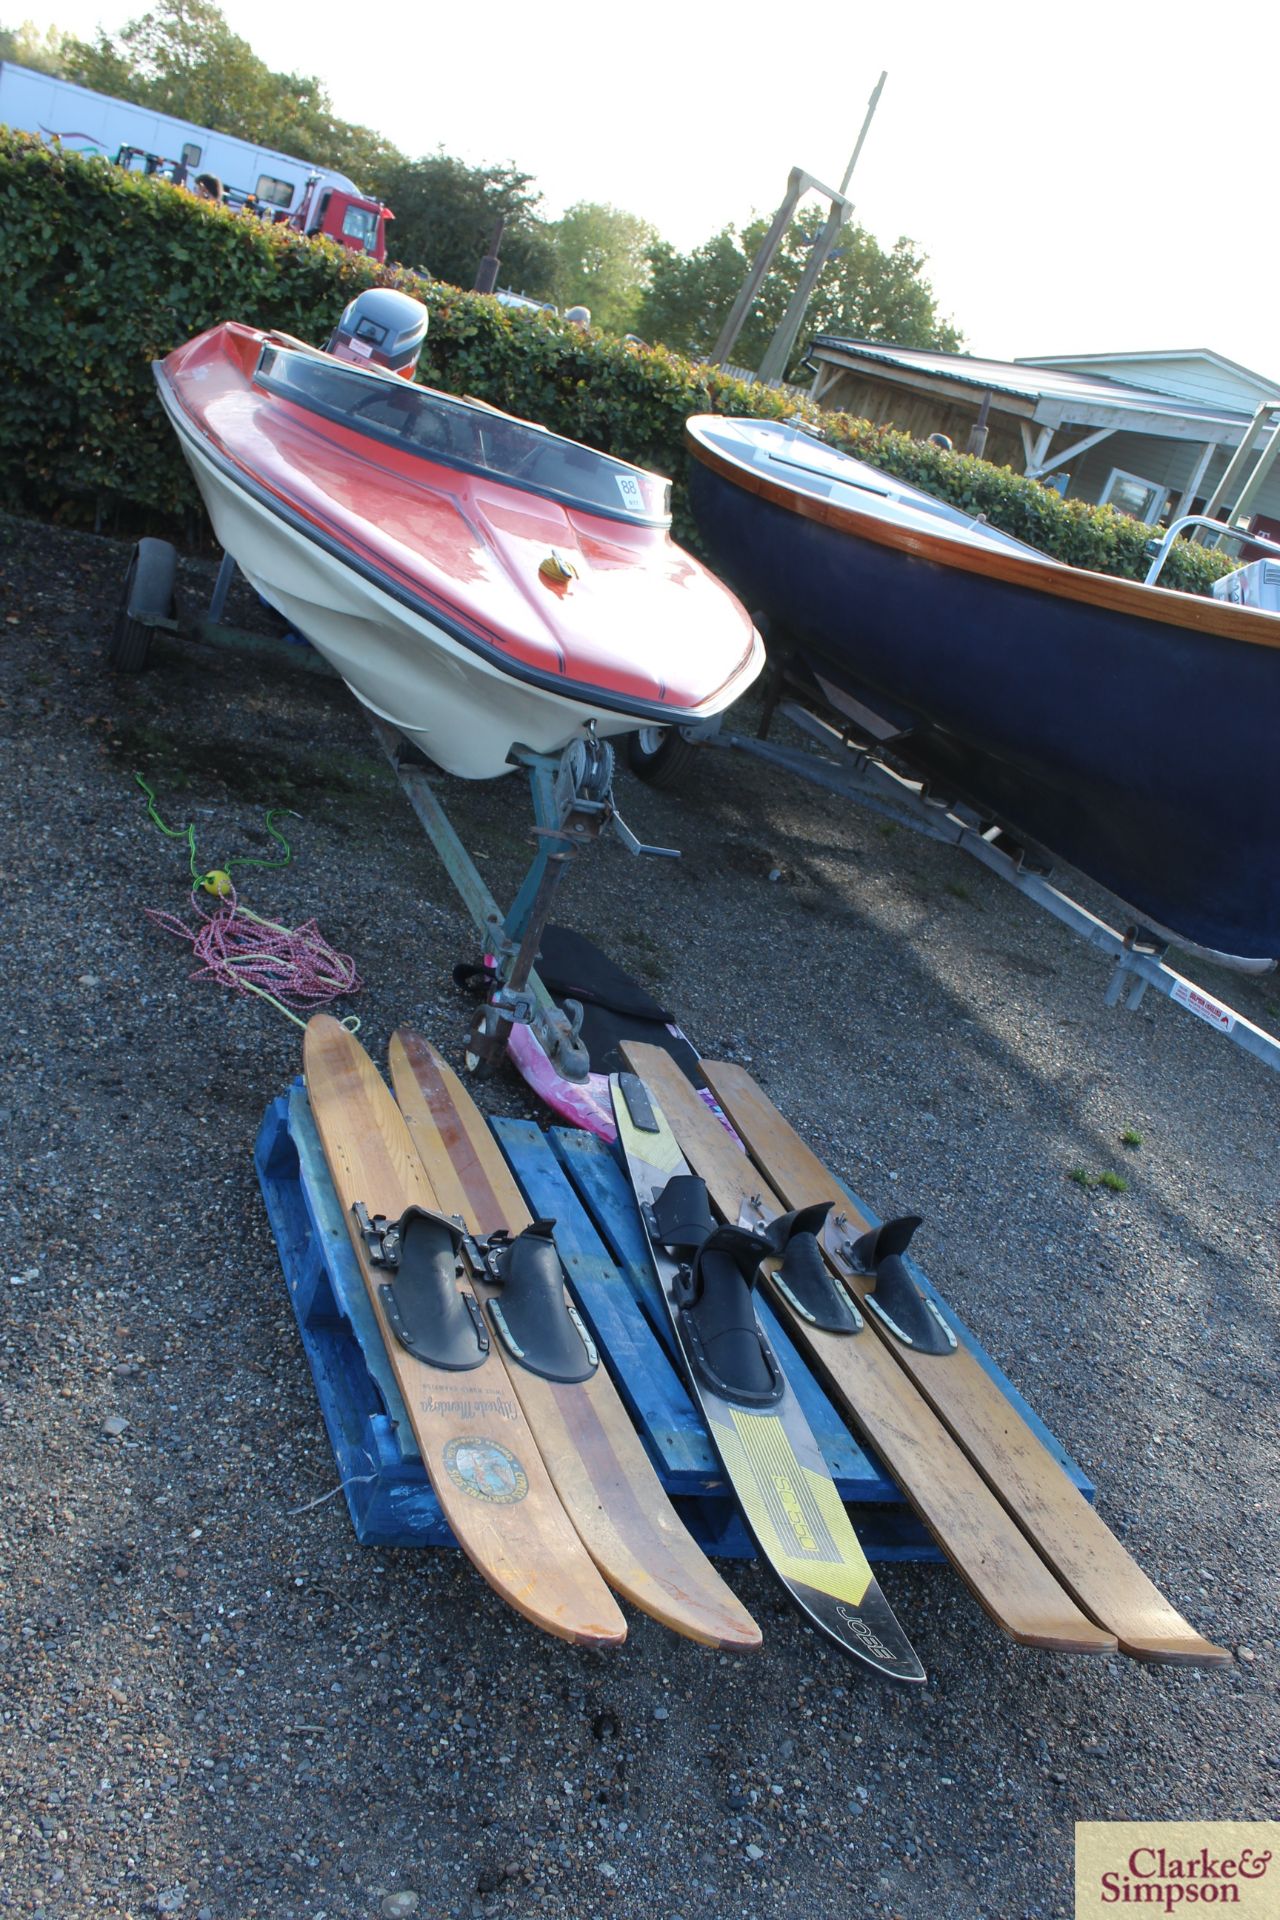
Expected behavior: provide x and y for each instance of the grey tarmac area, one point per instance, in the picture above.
(215, 1703)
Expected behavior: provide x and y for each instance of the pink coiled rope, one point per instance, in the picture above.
(292, 967)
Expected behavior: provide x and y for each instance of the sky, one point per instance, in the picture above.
(1089, 179)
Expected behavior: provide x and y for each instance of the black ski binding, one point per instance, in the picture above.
(897, 1301)
(428, 1314)
(712, 1294)
(381, 1236)
(534, 1320)
(803, 1277)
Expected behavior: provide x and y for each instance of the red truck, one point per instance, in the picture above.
(277, 185)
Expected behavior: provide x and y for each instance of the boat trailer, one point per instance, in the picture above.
(573, 805)
(859, 773)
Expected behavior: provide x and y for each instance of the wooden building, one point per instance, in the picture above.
(1153, 433)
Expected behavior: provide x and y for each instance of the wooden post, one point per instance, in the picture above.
(778, 353)
(487, 271)
(1036, 454)
(977, 441)
(759, 268)
(1224, 493)
(1193, 485)
(1253, 485)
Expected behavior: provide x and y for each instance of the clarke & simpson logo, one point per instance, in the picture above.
(1177, 1867)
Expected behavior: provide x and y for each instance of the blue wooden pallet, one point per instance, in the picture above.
(573, 1178)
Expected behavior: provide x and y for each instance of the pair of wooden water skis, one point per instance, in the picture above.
(536, 1465)
(777, 1471)
(1037, 1557)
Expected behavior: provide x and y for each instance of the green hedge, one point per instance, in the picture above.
(1070, 530)
(107, 271)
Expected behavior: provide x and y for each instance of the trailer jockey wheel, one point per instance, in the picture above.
(146, 601)
(661, 756)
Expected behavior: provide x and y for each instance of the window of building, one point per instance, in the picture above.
(1130, 493)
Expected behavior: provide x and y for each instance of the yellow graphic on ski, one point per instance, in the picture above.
(770, 1457)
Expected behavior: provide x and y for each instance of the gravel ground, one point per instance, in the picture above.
(216, 1704)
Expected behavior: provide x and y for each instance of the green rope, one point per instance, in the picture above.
(351, 1021)
(211, 879)
(218, 881)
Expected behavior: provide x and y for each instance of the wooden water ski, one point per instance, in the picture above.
(1072, 1538)
(756, 1424)
(475, 1443)
(1004, 1573)
(603, 1475)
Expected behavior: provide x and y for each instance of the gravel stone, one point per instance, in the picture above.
(209, 1688)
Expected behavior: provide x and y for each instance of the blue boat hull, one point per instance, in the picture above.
(1139, 752)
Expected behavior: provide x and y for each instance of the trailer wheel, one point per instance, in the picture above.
(661, 756)
(145, 599)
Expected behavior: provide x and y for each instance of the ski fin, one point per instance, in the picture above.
(428, 1314)
(533, 1319)
(897, 1301)
(712, 1292)
(803, 1277)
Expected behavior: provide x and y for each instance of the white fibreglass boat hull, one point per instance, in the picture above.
(464, 713)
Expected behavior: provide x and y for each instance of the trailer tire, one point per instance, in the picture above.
(147, 596)
(660, 756)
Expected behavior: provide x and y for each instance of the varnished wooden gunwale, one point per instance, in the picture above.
(1072, 1537)
(1165, 606)
(1005, 1575)
(524, 1547)
(604, 1477)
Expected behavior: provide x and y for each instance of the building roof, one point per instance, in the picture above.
(1153, 356)
(1048, 395)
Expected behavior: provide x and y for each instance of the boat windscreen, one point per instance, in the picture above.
(461, 433)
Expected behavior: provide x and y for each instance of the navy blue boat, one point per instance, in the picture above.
(1128, 730)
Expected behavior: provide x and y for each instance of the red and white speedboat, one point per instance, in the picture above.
(478, 582)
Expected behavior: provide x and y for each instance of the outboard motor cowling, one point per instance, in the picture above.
(381, 328)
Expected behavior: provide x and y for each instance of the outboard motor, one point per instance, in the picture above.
(381, 328)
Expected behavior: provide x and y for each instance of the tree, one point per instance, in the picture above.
(602, 262)
(26, 46)
(863, 292)
(182, 58)
(874, 295)
(446, 213)
(689, 294)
